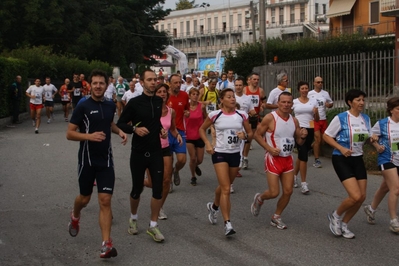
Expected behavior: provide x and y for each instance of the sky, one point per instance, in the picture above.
(172, 3)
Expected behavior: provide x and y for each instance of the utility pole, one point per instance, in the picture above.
(251, 7)
(262, 27)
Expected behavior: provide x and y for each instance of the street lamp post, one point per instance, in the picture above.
(205, 5)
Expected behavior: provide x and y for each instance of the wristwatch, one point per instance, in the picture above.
(134, 128)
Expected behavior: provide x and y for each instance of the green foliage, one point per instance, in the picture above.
(43, 62)
(10, 68)
(118, 32)
(185, 4)
(249, 56)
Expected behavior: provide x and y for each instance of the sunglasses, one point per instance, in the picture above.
(318, 82)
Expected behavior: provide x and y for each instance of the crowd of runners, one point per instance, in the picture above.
(170, 117)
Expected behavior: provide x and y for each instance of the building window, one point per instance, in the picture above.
(224, 26)
(239, 20)
(374, 12)
(157, 27)
(247, 16)
(292, 14)
(181, 29)
(281, 15)
(169, 27)
(174, 33)
(215, 24)
(273, 14)
(195, 26)
(187, 28)
(162, 27)
(324, 9)
(316, 8)
(302, 12)
(209, 25)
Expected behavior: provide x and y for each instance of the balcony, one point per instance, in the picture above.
(389, 8)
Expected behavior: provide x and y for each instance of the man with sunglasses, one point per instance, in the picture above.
(324, 101)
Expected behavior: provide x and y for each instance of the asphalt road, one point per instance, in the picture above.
(38, 183)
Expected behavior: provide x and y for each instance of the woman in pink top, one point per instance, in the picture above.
(168, 123)
(195, 145)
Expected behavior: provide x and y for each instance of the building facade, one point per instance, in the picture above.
(361, 16)
(201, 32)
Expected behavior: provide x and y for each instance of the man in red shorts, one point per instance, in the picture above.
(323, 102)
(277, 134)
(35, 93)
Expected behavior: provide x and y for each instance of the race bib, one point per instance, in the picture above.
(255, 100)
(358, 138)
(121, 91)
(76, 92)
(394, 139)
(230, 139)
(48, 95)
(65, 97)
(211, 107)
(286, 146)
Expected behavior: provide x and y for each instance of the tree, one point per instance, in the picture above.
(185, 4)
(118, 32)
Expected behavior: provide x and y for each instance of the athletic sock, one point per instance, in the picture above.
(134, 216)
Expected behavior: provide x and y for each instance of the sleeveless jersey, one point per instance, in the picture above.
(193, 123)
(166, 121)
(388, 132)
(283, 135)
(226, 127)
(255, 97)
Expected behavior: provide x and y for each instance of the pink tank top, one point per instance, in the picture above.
(193, 123)
(166, 121)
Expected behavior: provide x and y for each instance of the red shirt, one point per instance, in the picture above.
(255, 98)
(179, 103)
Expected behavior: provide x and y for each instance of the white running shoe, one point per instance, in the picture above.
(304, 188)
(394, 225)
(231, 189)
(346, 232)
(228, 229)
(335, 224)
(256, 205)
(370, 214)
(295, 181)
(213, 214)
(162, 215)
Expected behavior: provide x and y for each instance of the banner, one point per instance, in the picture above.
(217, 64)
(179, 56)
(210, 64)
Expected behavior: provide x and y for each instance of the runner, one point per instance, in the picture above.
(387, 130)
(65, 99)
(75, 88)
(168, 124)
(324, 101)
(282, 81)
(92, 124)
(49, 92)
(35, 93)
(306, 112)
(246, 106)
(195, 145)
(179, 101)
(121, 88)
(130, 94)
(277, 134)
(229, 125)
(258, 97)
(144, 112)
(347, 133)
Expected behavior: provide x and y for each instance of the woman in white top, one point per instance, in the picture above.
(229, 126)
(306, 112)
(387, 130)
(347, 133)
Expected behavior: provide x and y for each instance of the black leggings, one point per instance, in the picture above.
(139, 162)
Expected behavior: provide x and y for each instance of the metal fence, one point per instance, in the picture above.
(372, 73)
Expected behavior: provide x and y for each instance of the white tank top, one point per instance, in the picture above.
(283, 135)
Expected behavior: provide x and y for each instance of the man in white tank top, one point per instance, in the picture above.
(277, 134)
